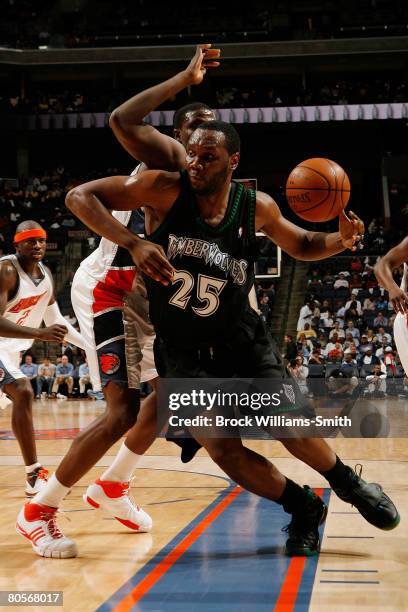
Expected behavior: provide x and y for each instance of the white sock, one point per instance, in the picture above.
(53, 494)
(123, 465)
(32, 467)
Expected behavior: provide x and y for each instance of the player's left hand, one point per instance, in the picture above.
(351, 230)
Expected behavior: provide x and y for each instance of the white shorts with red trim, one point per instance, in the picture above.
(401, 339)
(114, 321)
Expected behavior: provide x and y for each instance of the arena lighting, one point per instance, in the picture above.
(43, 47)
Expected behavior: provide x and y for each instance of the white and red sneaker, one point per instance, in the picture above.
(36, 481)
(38, 524)
(114, 499)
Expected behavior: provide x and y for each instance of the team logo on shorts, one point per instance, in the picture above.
(2, 375)
(109, 362)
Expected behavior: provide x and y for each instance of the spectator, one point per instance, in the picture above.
(68, 350)
(377, 382)
(352, 329)
(300, 372)
(290, 348)
(349, 362)
(30, 370)
(380, 321)
(350, 340)
(341, 282)
(305, 315)
(341, 311)
(265, 310)
(368, 359)
(84, 377)
(337, 330)
(389, 359)
(353, 302)
(317, 357)
(309, 332)
(356, 282)
(331, 345)
(341, 383)
(368, 304)
(64, 374)
(46, 374)
(335, 354)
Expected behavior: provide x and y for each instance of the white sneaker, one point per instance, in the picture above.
(60, 396)
(114, 499)
(37, 523)
(36, 481)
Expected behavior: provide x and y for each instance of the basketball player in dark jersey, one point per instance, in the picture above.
(203, 323)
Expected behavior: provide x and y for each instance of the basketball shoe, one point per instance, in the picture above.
(369, 499)
(303, 530)
(36, 481)
(114, 499)
(37, 523)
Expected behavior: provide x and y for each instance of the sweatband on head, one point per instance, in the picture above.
(32, 233)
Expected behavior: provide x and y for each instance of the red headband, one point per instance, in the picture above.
(32, 233)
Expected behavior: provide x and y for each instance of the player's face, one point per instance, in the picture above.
(191, 122)
(32, 249)
(208, 161)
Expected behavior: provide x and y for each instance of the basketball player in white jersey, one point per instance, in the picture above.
(26, 300)
(398, 296)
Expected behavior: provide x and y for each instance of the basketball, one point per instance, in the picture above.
(318, 189)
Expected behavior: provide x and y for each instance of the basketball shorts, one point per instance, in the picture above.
(9, 368)
(401, 339)
(251, 354)
(120, 336)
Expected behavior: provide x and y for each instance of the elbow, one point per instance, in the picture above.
(72, 199)
(114, 120)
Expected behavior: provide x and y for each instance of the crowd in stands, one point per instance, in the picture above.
(30, 24)
(66, 377)
(41, 197)
(245, 94)
(345, 330)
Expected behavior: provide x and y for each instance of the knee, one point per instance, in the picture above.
(24, 393)
(226, 455)
(121, 420)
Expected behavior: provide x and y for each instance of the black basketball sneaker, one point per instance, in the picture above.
(303, 530)
(370, 500)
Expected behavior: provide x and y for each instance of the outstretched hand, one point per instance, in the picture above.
(351, 230)
(151, 259)
(204, 57)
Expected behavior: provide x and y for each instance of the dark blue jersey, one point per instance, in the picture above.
(214, 269)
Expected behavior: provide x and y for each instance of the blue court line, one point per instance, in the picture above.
(237, 563)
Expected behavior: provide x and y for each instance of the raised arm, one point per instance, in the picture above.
(152, 189)
(383, 270)
(144, 142)
(300, 243)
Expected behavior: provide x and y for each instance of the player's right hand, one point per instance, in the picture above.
(53, 333)
(151, 259)
(399, 300)
(204, 58)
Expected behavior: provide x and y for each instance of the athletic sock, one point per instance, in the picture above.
(29, 469)
(339, 475)
(293, 497)
(52, 495)
(123, 465)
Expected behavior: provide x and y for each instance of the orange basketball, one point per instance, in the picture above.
(318, 189)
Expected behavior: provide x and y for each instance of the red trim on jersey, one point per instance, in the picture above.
(111, 292)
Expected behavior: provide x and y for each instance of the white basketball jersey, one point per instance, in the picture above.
(104, 258)
(28, 306)
(404, 278)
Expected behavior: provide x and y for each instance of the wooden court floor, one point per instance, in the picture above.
(204, 527)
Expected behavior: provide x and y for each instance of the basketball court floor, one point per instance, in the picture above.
(213, 546)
